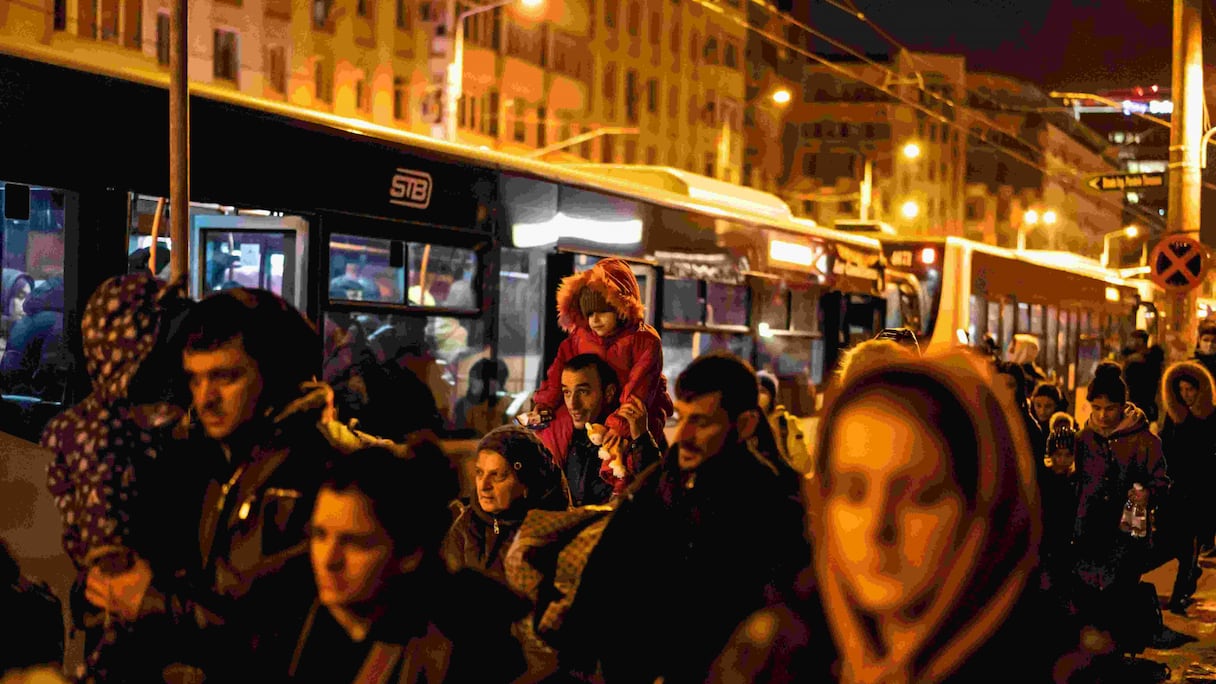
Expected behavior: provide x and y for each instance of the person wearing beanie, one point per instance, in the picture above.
(1115, 451)
(768, 391)
(787, 428)
(602, 312)
(514, 474)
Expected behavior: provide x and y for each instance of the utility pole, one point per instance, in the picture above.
(179, 141)
(1186, 133)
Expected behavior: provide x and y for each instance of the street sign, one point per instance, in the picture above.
(1177, 263)
(1118, 182)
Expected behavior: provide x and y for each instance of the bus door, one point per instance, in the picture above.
(265, 252)
(848, 319)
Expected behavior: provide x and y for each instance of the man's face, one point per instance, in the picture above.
(585, 399)
(350, 550)
(225, 386)
(702, 429)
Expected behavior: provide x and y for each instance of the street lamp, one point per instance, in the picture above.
(910, 209)
(1127, 232)
(455, 84)
(910, 150)
(782, 96)
(1031, 219)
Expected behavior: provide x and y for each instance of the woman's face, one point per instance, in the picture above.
(1043, 408)
(1188, 392)
(893, 510)
(498, 488)
(1106, 414)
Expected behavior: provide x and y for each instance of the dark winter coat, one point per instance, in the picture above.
(1107, 467)
(682, 562)
(1142, 373)
(441, 627)
(479, 540)
(1188, 440)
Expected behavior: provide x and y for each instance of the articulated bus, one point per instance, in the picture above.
(1079, 311)
(432, 256)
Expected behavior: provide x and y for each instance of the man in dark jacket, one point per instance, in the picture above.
(710, 534)
(263, 438)
(1142, 368)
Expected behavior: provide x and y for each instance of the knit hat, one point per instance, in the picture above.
(590, 301)
(768, 383)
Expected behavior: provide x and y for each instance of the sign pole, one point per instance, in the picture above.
(179, 141)
(1185, 176)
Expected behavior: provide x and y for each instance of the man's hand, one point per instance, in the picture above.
(634, 413)
(122, 593)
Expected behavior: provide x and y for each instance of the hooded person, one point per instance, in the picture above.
(602, 312)
(1205, 345)
(1188, 440)
(106, 448)
(513, 474)
(924, 508)
(1114, 452)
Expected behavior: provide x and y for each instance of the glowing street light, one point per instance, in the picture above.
(1031, 217)
(910, 209)
(1049, 217)
(911, 150)
(455, 75)
(781, 96)
(1129, 232)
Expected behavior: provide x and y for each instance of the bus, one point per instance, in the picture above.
(436, 257)
(1080, 312)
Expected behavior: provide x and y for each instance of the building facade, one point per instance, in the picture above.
(533, 77)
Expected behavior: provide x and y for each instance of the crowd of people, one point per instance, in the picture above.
(949, 519)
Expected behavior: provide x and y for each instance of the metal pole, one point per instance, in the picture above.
(867, 189)
(1186, 133)
(179, 142)
(455, 84)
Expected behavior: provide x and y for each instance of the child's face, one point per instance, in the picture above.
(1060, 461)
(602, 323)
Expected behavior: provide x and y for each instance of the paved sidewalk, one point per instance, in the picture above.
(1194, 661)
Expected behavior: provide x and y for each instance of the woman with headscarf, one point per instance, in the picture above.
(513, 474)
(924, 513)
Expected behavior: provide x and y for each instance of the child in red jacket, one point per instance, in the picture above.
(601, 310)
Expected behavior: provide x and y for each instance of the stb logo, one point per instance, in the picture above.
(411, 189)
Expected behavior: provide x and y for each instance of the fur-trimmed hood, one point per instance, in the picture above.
(1197, 374)
(613, 279)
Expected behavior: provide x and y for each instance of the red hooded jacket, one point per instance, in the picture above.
(634, 350)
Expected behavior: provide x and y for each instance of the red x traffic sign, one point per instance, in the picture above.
(1177, 263)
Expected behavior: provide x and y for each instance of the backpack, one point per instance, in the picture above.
(791, 440)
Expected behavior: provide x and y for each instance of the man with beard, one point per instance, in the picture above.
(706, 536)
(261, 440)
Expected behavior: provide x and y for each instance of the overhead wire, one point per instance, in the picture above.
(1074, 174)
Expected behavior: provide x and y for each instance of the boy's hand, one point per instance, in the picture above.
(634, 413)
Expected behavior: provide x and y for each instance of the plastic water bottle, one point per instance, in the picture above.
(1135, 516)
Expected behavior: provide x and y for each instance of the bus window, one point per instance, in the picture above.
(363, 269)
(1068, 325)
(1007, 324)
(994, 320)
(246, 259)
(682, 302)
(1036, 319)
(804, 310)
(726, 304)
(979, 317)
(521, 283)
(773, 305)
(1051, 341)
(1023, 317)
(36, 359)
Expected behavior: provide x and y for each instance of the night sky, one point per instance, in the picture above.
(1081, 44)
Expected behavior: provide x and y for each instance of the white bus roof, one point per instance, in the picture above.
(711, 196)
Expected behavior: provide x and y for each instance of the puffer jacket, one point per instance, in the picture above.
(101, 444)
(634, 349)
(1188, 437)
(1107, 467)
